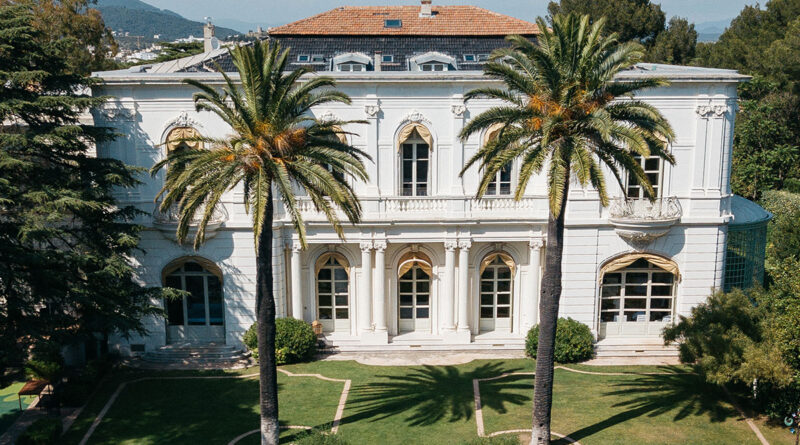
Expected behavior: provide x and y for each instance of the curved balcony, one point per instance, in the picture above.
(640, 221)
(167, 221)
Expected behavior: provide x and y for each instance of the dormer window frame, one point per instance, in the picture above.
(349, 60)
(432, 60)
(387, 58)
(303, 58)
(470, 58)
(317, 58)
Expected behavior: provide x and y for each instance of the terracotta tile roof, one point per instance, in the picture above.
(446, 21)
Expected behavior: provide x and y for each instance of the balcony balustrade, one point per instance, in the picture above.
(167, 221)
(640, 221)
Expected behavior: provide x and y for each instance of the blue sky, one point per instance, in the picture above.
(274, 12)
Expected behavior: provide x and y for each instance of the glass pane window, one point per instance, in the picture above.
(496, 290)
(352, 67)
(501, 186)
(204, 306)
(652, 170)
(639, 293)
(415, 166)
(414, 294)
(332, 291)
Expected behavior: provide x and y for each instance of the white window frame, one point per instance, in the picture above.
(640, 191)
(498, 183)
(351, 67)
(415, 293)
(470, 58)
(334, 307)
(317, 58)
(622, 296)
(495, 266)
(415, 142)
(303, 58)
(432, 57)
(387, 58)
(205, 274)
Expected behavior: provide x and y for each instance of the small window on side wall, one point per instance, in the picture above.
(303, 58)
(387, 58)
(652, 170)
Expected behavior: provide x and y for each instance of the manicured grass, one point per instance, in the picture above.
(9, 405)
(421, 405)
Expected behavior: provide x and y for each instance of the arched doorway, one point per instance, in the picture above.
(333, 292)
(414, 275)
(637, 296)
(497, 272)
(200, 316)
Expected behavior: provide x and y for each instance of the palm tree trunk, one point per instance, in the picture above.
(265, 317)
(548, 317)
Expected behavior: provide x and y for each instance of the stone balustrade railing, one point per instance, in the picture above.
(661, 209)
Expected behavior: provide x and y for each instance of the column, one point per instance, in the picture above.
(463, 285)
(534, 287)
(297, 282)
(379, 295)
(448, 302)
(365, 289)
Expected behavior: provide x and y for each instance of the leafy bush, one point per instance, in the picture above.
(574, 341)
(783, 233)
(44, 370)
(295, 341)
(45, 431)
(744, 337)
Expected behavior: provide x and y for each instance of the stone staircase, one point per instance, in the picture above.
(620, 352)
(199, 356)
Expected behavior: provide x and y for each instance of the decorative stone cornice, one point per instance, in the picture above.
(327, 116)
(415, 116)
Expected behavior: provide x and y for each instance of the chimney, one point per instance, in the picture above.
(378, 60)
(426, 10)
(208, 36)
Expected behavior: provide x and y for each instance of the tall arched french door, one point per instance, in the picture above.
(200, 316)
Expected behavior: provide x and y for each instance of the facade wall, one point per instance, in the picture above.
(701, 113)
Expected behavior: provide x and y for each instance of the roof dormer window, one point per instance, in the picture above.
(350, 62)
(303, 58)
(469, 58)
(392, 23)
(433, 67)
(317, 58)
(351, 67)
(432, 61)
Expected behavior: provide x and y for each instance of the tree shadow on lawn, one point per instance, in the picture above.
(655, 395)
(430, 394)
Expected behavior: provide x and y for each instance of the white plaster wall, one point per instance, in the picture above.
(700, 179)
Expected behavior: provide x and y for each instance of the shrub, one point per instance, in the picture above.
(45, 431)
(295, 341)
(574, 341)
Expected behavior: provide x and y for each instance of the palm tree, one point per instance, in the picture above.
(275, 148)
(563, 112)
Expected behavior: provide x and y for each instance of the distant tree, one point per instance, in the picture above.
(760, 41)
(631, 19)
(172, 51)
(766, 149)
(65, 274)
(79, 29)
(675, 45)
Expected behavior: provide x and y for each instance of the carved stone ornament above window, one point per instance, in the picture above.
(177, 136)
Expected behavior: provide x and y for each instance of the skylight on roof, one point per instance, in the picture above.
(392, 23)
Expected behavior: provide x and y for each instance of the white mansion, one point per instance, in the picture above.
(430, 266)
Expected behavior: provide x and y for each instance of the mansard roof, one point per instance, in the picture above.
(444, 21)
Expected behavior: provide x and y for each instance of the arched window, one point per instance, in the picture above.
(352, 62)
(501, 185)
(637, 295)
(203, 307)
(333, 292)
(182, 138)
(414, 292)
(415, 144)
(432, 61)
(497, 272)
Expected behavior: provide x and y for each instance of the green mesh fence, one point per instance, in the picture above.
(744, 257)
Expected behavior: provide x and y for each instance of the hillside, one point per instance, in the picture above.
(140, 19)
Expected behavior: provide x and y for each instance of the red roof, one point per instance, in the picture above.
(445, 21)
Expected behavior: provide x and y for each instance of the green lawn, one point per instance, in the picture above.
(422, 405)
(9, 405)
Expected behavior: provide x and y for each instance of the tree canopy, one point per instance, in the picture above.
(65, 275)
(631, 19)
